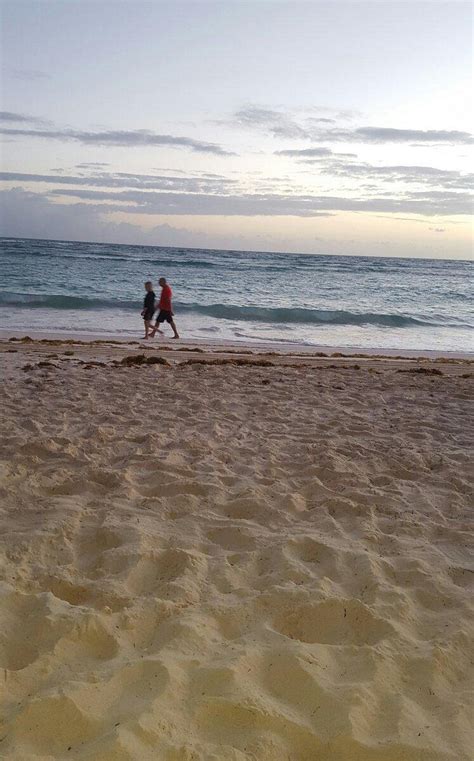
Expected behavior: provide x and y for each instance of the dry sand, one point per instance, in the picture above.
(233, 562)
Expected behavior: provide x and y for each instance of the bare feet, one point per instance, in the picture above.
(176, 336)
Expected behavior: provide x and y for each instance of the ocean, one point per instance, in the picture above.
(290, 299)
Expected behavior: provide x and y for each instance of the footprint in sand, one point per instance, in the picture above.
(92, 545)
(246, 509)
(154, 572)
(88, 594)
(31, 626)
(309, 550)
(462, 577)
(88, 641)
(50, 726)
(333, 622)
(235, 622)
(36, 625)
(294, 682)
(231, 538)
(351, 574)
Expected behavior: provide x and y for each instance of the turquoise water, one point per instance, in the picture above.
(340, 301)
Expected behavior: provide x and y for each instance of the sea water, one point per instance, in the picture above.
(248, 296)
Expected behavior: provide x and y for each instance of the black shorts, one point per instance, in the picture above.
(164, 316)
(148, 315)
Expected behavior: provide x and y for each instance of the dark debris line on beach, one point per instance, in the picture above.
(237, 351)
(140, 360)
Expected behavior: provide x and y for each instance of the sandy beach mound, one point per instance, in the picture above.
(220, 562)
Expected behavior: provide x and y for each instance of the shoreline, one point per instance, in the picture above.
(241, 346)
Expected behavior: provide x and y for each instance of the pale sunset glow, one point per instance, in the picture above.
(313, 127)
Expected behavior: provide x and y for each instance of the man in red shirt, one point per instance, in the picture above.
(166, 310)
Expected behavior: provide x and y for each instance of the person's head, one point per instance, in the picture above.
(148, 286)
(162, 281)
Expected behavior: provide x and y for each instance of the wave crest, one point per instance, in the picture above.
(269, 315)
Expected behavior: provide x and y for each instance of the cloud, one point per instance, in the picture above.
(391, 135)
(447, 178)
(312, 153)
(427, 203)
(202, 204)
(194, 184)
(215, 195)
(303, 152)
(31, 75)
(281, 124)
(120, 138)
(32, 215)
(11, 116)
(25, 214)
(381, 135)
(438, 229)
(277, 123)
(92, 165)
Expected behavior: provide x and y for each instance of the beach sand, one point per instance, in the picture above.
(233, 557)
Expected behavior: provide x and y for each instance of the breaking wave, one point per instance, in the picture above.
(275, 316)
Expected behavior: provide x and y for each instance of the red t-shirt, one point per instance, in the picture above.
(165, 298)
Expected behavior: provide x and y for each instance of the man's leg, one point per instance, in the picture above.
(176, 334)
(155, 329)
(147, 328)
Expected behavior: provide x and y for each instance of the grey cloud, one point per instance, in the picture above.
(446, 178)
(390, 135)
(33, 215)
(284, 125)
(31, 75)
(92, 165)
(305, 153)
(126, 180)
(120, 138)
(301, 152)
(380, 135)
(439, 194)
(190, 172)
(341, 114)
(25, 214)
(418, 221)
(429, 203)
(280, 123)
(391, 217)
(277, 123)
(13, 117)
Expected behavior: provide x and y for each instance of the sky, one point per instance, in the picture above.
(325, 127)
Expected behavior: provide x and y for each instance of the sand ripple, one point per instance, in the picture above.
(234, 564)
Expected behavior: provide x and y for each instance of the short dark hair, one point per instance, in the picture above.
(148, 282)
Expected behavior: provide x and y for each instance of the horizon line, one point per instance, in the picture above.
(238, 250)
